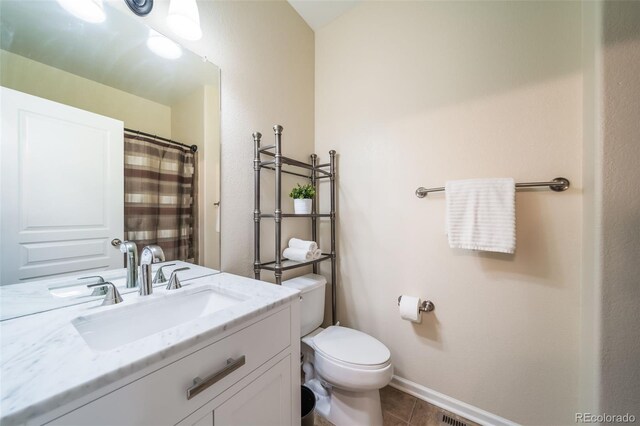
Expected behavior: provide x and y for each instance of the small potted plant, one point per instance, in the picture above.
(302, 196)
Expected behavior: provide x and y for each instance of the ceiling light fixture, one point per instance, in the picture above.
(163, 46)
(184, 19)
(140, 7)
(88, 10)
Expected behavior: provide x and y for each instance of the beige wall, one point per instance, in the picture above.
(416, 93)
(195, 120)
(592, 202)
(620, 233)
(187, 118)
(611, 291)
(187, 125)
(35, 78)
(265, 52)
(210, 177)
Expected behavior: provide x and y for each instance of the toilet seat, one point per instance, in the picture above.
(352, 348)
(352, 360)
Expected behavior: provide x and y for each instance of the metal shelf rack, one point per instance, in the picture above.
(316, 172)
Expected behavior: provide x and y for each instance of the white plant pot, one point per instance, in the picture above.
(302, 206)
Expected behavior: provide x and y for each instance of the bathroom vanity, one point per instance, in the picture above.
(221, 349)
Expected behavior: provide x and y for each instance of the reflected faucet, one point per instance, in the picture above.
(131, 250)
(97, 291)
(112, 296)
(150, 254)
(160, 277)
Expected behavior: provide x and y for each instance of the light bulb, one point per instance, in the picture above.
(162, 46)
(88, 10)
(184, 19)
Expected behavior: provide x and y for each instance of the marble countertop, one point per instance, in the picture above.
(45, 363)
(32, 297)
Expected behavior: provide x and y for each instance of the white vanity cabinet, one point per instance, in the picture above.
(259, 386)
(264, 401)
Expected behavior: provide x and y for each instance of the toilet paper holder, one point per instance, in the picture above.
(425, 306)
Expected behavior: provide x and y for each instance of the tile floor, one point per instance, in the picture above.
(402, 409)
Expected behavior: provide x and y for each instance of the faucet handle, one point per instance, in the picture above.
(160, 278)
(174, 282)
(100, 279)
(113, 295)
(98, 291)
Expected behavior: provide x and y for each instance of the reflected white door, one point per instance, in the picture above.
(62, 182)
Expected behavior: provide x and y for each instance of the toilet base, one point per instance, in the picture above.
(348, 408)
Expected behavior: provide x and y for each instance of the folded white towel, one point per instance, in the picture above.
(317, 254)
(302, 244)
(481, 214)
(297, 254)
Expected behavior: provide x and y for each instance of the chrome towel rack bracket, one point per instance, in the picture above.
(558, 184)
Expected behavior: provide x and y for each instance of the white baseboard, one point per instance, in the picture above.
(460, 408)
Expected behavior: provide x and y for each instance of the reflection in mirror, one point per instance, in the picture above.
(110, 133)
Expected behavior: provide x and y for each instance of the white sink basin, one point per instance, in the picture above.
(108, 330)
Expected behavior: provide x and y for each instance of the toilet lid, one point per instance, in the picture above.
(351, 346)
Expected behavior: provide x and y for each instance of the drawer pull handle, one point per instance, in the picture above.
(201, 384)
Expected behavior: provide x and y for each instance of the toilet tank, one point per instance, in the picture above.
(311, 287)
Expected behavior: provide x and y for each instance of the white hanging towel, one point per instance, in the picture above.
(481, 214)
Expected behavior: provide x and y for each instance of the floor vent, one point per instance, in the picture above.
(450, 421)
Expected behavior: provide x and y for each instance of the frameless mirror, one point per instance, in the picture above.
(98, 124)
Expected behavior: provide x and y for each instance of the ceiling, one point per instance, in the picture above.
(318, 13)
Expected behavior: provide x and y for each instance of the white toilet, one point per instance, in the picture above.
(345, 368)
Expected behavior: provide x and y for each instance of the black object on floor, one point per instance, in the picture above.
(308, 404)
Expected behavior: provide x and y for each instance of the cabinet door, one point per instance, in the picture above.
(264, 402)
(205, 421)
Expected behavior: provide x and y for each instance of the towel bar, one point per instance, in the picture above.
(559, 184)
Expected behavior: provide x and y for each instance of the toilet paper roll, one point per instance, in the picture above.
(409, 308)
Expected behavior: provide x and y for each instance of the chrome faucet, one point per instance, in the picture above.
(131, 250)
(174, 282)
(112, 296)
(160, 277)
(149, 255)
(98, 290)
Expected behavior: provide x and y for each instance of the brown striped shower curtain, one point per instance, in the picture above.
(160, 196)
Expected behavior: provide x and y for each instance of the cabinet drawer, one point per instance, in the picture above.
(161, 397)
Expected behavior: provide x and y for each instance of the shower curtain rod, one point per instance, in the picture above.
(193, 148)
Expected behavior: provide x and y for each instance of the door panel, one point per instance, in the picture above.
(207, 420)
(62, 189)
(265, 401)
